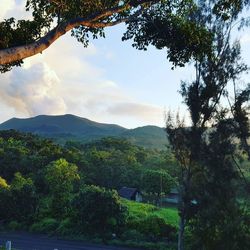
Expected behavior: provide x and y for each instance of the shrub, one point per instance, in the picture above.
(65, 227)
(133, 235)
(14, 225)
(152, 226)
(47, 225)
(99, 210)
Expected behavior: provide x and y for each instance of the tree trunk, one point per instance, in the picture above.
(181, 232)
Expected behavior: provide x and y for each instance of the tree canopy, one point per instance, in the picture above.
(162, 23)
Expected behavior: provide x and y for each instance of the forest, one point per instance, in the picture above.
(71, 190)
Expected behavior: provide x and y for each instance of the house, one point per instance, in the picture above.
(132, 194)
(172, 197)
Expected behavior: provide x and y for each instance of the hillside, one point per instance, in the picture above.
(62, 128)
(151, 136)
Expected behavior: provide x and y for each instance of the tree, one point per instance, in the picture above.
(24, 198)
(157, 181)
(99, 210)
(18, 201)
(60, 177)
(162, 23)
(206, 156)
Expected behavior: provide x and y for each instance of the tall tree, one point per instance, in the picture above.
(60, 176)
(157, 182)
(202, 154)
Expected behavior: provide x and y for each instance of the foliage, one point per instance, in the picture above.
(172, 31)
(152, 222)
(207, 156)
(46, 225)
(157, 181)
(18, 202)
(98, 210)
(14, 226)
(160, 23)
(60, 177)
(25, 153)
(3, 183)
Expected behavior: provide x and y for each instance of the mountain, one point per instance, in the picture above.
(147, 136)
(70, 127)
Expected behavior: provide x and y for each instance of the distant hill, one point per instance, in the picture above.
(70, 127)
(147, 136)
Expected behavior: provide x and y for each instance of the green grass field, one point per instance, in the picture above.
(140, 210)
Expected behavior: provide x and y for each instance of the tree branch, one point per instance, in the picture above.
(18, 53)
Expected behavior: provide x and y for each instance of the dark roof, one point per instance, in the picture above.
(127, 193)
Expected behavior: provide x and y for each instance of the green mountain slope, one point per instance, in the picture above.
(69, 127)
(147, 136)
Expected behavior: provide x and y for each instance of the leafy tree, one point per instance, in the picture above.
(206, 156)
(113, 163)
(220, 222)
(18, 202)
(29, 154)
(60, 177)
(99, 210)
(157, 181)
(13, 154)
(161, 23)
(24, 198)
(5, 204)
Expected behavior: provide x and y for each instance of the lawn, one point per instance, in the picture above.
(142, 210)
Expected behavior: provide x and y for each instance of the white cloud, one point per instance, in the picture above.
(143, 111)
(245, 39)
(31, 90)
(13, 8)
(5, 6)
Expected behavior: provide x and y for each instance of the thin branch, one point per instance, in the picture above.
(239, 168)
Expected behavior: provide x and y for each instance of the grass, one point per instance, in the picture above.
(140, 210)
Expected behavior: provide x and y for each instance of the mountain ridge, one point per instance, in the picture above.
(62, 128)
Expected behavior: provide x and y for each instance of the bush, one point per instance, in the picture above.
(152, 226)
(133, 235)
(47, 225)
(14, 225)
(98, 210)
(18, 202)
(65, 227)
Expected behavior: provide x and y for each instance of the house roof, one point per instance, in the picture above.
(127, 193)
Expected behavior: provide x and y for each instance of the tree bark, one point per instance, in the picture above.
(181, 232)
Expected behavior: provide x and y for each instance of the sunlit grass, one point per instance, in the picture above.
(139, 210)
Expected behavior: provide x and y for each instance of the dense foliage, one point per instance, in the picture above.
(72, 189)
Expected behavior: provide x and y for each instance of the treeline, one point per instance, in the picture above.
(71, 189)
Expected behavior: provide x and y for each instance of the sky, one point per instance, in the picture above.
(108, 82)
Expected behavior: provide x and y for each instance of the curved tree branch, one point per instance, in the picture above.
(18, 53)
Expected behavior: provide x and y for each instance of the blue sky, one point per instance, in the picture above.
(108, 82)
